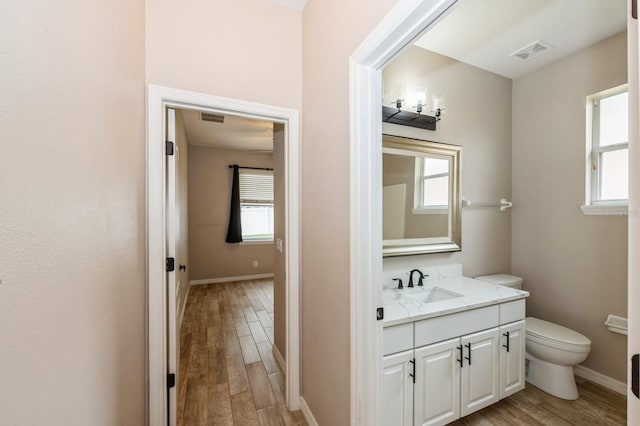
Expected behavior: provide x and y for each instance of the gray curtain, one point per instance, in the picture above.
(234, 233)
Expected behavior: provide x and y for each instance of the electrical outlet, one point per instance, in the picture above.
(255, 263)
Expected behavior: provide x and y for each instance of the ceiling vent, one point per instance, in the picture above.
(214, 118)
(532, 50)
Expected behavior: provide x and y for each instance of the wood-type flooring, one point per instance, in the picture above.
(227, 372)
(596, 406)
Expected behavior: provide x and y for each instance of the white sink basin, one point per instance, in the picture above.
(436, 294)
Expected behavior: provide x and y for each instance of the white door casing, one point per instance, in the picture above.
(172, 284)
(633, 294)
(158, 99)
(403, 24)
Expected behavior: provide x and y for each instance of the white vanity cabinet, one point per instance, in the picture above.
(456, 377)
(512, 350)
(397, 372)
(462, 362)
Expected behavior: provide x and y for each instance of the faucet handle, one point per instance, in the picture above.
(399, 283)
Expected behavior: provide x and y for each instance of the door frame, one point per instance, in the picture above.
(405, 21)
(158, 98)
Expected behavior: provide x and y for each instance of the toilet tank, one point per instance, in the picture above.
(502, 279)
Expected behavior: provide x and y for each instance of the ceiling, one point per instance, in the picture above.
(484, 32)
(235, 133)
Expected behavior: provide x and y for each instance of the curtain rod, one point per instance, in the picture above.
(250, 168)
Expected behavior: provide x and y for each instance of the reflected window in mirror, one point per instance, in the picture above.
(431, 195)
(420, 196)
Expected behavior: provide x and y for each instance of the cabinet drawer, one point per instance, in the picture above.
(512, 311)
(397, 338)
(437, 329)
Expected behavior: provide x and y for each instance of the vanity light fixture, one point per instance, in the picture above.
(413, 119)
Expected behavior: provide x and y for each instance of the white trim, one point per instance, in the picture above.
(158, 98)
(279, 359)
(230, 279)
(605, 209)
(255, 242)
(184, 305)
(308, 415)
(403, 24)
(601, 379)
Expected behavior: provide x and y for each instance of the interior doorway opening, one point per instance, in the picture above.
(162, 396)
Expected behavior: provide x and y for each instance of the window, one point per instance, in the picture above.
(432, 185)
(608, 162)
(256, 205)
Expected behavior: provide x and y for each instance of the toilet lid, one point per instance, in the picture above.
(551, 331)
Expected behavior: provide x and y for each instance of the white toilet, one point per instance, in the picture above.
(551, 349)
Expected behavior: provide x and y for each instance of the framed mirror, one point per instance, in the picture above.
(421, 205)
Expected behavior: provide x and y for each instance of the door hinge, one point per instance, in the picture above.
(634, 9)
(379, 314)
(169, 148)
(635, 375)
(171, 264)
(171, 380)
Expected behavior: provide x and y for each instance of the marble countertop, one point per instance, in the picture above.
(400, 307)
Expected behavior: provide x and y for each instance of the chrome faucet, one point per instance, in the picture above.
(419, 279)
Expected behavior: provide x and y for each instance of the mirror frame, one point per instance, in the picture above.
(452, 242)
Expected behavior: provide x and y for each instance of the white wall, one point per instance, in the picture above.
(575, 266)
(72, 215)
(478, 118)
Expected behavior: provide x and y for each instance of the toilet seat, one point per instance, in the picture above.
(556, 336)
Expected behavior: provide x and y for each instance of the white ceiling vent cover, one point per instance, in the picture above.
(214, 118)
(532, 50)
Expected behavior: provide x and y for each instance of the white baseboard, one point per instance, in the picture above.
(601, 379)
(184, 306)
(230, 279)
(279, 359)
(308, 415)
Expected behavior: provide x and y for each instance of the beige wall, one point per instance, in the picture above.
(575, 266)
(249, 50)
(209, 197)
(72, 216)
(478, 118)
(332, 30)
(182, 245)
(279, 260)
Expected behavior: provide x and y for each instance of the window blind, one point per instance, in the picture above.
(256, 188)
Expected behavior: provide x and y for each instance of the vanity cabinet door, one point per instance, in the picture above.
(397, 408)
(512, 337)
(437, 388)
(479, 382)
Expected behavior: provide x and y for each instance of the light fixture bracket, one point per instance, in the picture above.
(408, 118)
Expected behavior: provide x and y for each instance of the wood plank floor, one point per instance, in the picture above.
(228, 374)
(596, 406)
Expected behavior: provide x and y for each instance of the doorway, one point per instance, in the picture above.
(395, 33)
(162, 396)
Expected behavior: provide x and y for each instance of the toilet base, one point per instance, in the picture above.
(557, 380)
